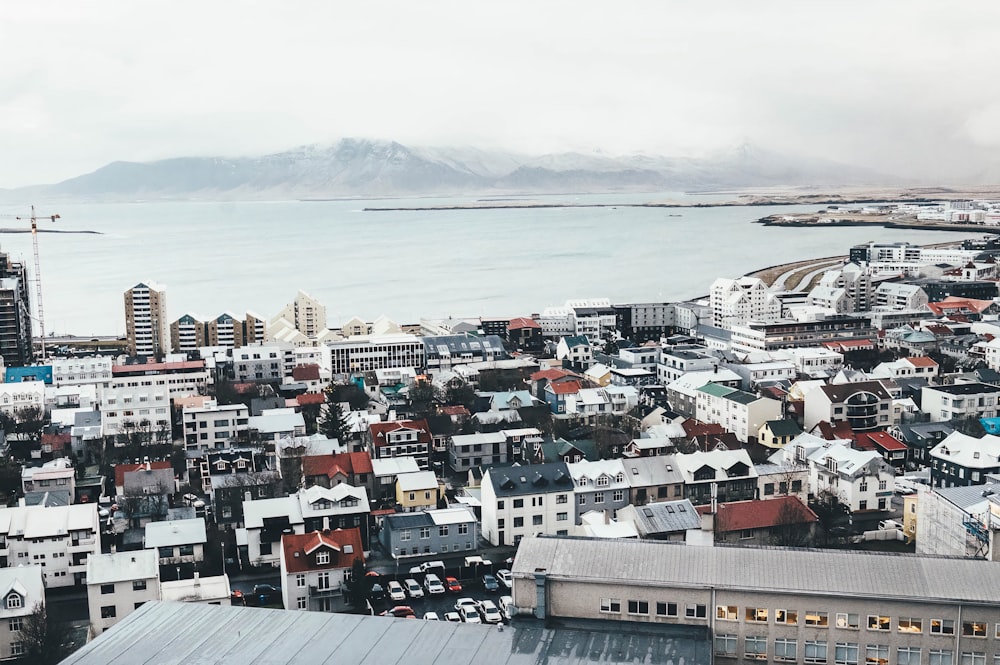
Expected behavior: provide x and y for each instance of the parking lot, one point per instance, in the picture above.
(443, 602)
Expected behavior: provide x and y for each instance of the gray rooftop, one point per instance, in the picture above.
(667, 517)
(161, 632)
(762, 570)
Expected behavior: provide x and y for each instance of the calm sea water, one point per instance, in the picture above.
(217, 256)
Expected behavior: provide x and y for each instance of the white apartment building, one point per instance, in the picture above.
(736, 301)
(859, 479)
(960, 400)
(812, 361)
(676, 362)
(180, 379)
(556, 322)
(122, 408)
(177, 541)
(263, 362)
(525, 501)
(897, 296)
(118, 583)
(214, 426)
(57, 538)
(21, 395)
(740, 412)
(365, 353)
(81, 371)
(21, 589)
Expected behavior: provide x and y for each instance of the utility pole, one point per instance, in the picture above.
(38, 273)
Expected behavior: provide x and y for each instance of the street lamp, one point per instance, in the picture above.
(178, 572)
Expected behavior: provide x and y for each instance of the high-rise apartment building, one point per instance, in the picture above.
(146, 323)
(15, 313)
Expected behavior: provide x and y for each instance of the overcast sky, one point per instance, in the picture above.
(908, 88)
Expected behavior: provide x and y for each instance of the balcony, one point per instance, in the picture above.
(329, 592)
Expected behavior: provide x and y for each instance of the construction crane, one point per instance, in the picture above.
(38, 271)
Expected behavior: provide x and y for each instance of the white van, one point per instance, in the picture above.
(888, 525)
(433, 584)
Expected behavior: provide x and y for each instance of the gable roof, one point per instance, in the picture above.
(530, 479)
(122, 469)
(761, 514)
(783, 427)
(522, 322)
(380, 431)
(305, 373)
(330, 465)
(564, 388)
(344, 546)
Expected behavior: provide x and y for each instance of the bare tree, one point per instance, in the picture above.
(140, 501)
(30, 422)
(792, 528)
(43, 642)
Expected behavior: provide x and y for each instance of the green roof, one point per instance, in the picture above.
(716, 390)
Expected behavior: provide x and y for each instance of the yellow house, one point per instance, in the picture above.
(417, 491)
(910, 517)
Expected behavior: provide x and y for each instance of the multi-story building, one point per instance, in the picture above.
(467, 451)
(447, 351)
(81, 371)
(756, 336)
(682, 359)
(181, 379)
(190, 332)
(524, 333)
(177, 542)
(22, 591)
(960, 460)
(398, 438)
(960, 400)
(187, 334)
(599, 486)
(315, 567)
(861, 480)
(866, 406)
(262, 363)
(139, 408)
(416, 492)
(57, 476)
(898, 296)
(734, 302)
(796, 606)
(653, 478)
(16, 313)
(526, 500)
(717, 475)
(15, 397)
(367, 353)
(430, 532)
(304, 314)
(739, 412)
(61, 537)
(642, 322)
(118, 584)
(147, 328)
(213, 426)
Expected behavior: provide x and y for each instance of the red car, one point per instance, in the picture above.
(452, 584)
(400, 612)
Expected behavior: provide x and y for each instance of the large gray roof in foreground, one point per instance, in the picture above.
(764, 570)
(167, 632)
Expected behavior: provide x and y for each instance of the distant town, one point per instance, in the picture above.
(801, 466)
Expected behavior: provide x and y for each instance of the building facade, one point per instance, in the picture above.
(147, 328)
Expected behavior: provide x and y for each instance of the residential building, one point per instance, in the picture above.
(315, 567)
(57, 476)
(906, 368)
(147, 328)
(180, 379)
(15, 397)
(653, 478)
(410, 438)
(262, 363)
(717, 475)
(676, 521)
(739, 412)
(16, 314)
(61, 537)
(444, 352)
(682, 392)
(783, 521)
(177, 542)
(786, 334)
(81, 371)
(897, 296)
(384, 474)
(734, 302)
(132, 410)
(813, 362)
(22, 590)
(118, 584)
(860, 480)
(960, 401)
(277, 424)
(305, 314)
(430, 532)
(865, 406)
(467, 451)
(526, 500)
(417, 491)
(776, 433)
(642, 322)
(525, 334)
(575, 352)
(957, 521)
(679, 360)
(331, 470)
(214, 426)
(366, 353)
(961, 460)
(599, 486)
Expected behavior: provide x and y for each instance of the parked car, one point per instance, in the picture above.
(377, 593)
(454, 617)
(453, 584)
(427, 566)
(413, 588)
(431, 616)
(489, 612)
(396, 591)
(264, 594)
(400, 612)
(506, 607)
(465, 602)
(432, 583)
(490, 583)
(470, 614)
(505, 578)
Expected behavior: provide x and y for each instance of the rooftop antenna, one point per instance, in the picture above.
(38, 272)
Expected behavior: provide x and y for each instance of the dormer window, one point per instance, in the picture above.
(602, 481)
(14, 601)
(242, 464)
(322, 558)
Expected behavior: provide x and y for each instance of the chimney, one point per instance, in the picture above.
(326, 523)
(148, 467)
(197, 580)
(540, 596)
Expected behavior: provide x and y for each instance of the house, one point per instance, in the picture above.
(232, 490)
(600, 486)
(599, 374)
(957, 521)
(146, 478)
(652, 446)
(430, 532)
(557, 395)
(384, 475)
(417, 491)
(525, 334)
(892, 450)
(526, 500)
(960, 400)
(717, 475)
(740, 412)
(177, 542)
(213, 426)
(860, 480)
(785, 521)
(340, 507)
(676, 521)
(56, 476)
(652, 478)
(60, 536)
(22, 590)
(682, 392)
(118, 584)
(539, 380)
(331, 470)
(575, 352)
(920, 438)
(865, 405)
(315, 566)
(776, 433)
(905, 368)
(410, 438)
(961, 460)
(276, 424)
(472, 450)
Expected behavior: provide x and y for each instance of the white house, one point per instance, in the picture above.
(57, 476)
(858, 479)
(22, 395)
(118, 583)
(61, 537)
(521, 501)
(740, 412)
(177, 541)
(275, 424)
(960, 400)
(315, 566)
(21, 590)
(213, 426)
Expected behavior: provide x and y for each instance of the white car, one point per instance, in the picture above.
(505, 578)
(454, 617)
(465, 602)
(431, 616)
(413, 588)
(433, 584)
(490, 612)
(396, 591)
(469, 614)
(506, 607)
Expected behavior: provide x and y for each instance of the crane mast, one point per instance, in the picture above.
(38, 274)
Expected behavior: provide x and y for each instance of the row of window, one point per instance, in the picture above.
(456, 547)
(847, 620)
(844, 653)
(425, 532)
(662, 608)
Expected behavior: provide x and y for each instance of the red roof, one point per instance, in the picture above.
(245, 388)
(958, 304)
(551, 374)
(380, 430)
(849, 345)
(305, 373)
(300, 550)
(122, 469)
(840, 430)
(458, 410)
(694, 427)
(153, 368)
(882, 440)
(329, 465)
(922, 361)
(306, 399)
(56, 441)
(522, 322)
(762, 514)
(564, 388)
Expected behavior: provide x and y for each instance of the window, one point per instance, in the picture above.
(611, 605)
(404, 534)
(425, 532)
(973, 629)
(756, 614)
(727, 612)
(666, 609)
(300, 603)
(519, 503)
(768, 489)
(598, 497)
(790, 617)
(945, 627)
(967, 658)
(139, 585)
(536, 520)
(725, 645)
(638, 607)
(784, 649)
(696, 611)
(561, 498)
(944, 657)
(463, 529)
(518, 522)
(908, 656)
(16, 624)
(499, 505)
(755, 648)
(876, 654)
(619, 496)
(582, 500)
(186, 550)
(108, 612)
(16, 648)
(845, 620)
(300, 580)
(107, 588)
(562, 517)
(845, 653)
(821, 619)
(815, 651)
(443, 530)
(878, 622)
(910, 625)
(265, 549)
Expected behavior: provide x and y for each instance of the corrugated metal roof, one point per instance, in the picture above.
(168, 632)
(762, 570)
